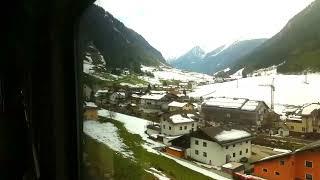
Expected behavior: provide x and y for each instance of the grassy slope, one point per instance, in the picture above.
(144, 159)
(298, 44)
(91, 80)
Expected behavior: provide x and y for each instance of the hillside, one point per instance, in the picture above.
(192, 57)
(120, 46)
(297, 45)
(221, 58)
(218, 60)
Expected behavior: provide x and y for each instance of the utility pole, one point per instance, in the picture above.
(272, 88)
(306, 78)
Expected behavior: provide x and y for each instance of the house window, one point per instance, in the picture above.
(247, 150)
(185, 127)
(281, 162)
(169, 127)
(265, 170)
(247, 142)
(180, 127)
(234, 145)
(292, 127)
(196, 142)
(234, 154)
(192, 124)
(196, 152)
(308, 176)
(309, 164)
(204, 154)
(204, 144)
(240, 153)
(277, 173)
(303, 129)
(227, 147)
(164, 126)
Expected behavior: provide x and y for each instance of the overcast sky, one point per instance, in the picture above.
(175, 26)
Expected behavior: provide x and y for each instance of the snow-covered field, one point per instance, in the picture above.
(289, 89)
(107, 134)
(167, 73)
(136, 125)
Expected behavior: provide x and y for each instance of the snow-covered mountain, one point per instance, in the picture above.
(120, 46)
(193, 56)
(221, 58)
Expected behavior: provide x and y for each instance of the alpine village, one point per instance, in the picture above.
(248, 117)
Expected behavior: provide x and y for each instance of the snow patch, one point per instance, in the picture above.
(179, 119)
(107, 134)
(232, 135)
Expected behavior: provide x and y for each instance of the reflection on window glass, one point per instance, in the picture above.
(235, 107)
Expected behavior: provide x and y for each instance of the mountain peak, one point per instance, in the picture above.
(197, 51)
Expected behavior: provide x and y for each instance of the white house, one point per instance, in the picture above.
(215, 146)
(152, 101)
(157, 100)
(117, 96)
(177, 125)
(283, 130)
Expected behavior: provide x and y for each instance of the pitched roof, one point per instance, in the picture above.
(176, 104)
(233, 103)
(311, 146)
(90, 104)
(223, 136)
(178, 118)
(294, 118)
(307, 110)
(153, 96)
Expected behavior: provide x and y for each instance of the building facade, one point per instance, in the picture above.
(178, 106)
(301, 164)
(235, 110)
(217, 147)
(90, 111)
(177, 125)
(305, 120)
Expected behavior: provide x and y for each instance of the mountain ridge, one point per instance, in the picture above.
(297, 46)
(218, 59)
(120, 46)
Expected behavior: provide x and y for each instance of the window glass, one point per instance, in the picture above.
(204, 154)
(204, 144)
(308, 177)
(309, 164)
(165, 83)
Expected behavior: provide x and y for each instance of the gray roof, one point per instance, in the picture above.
(222, 136)
(311, 146)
